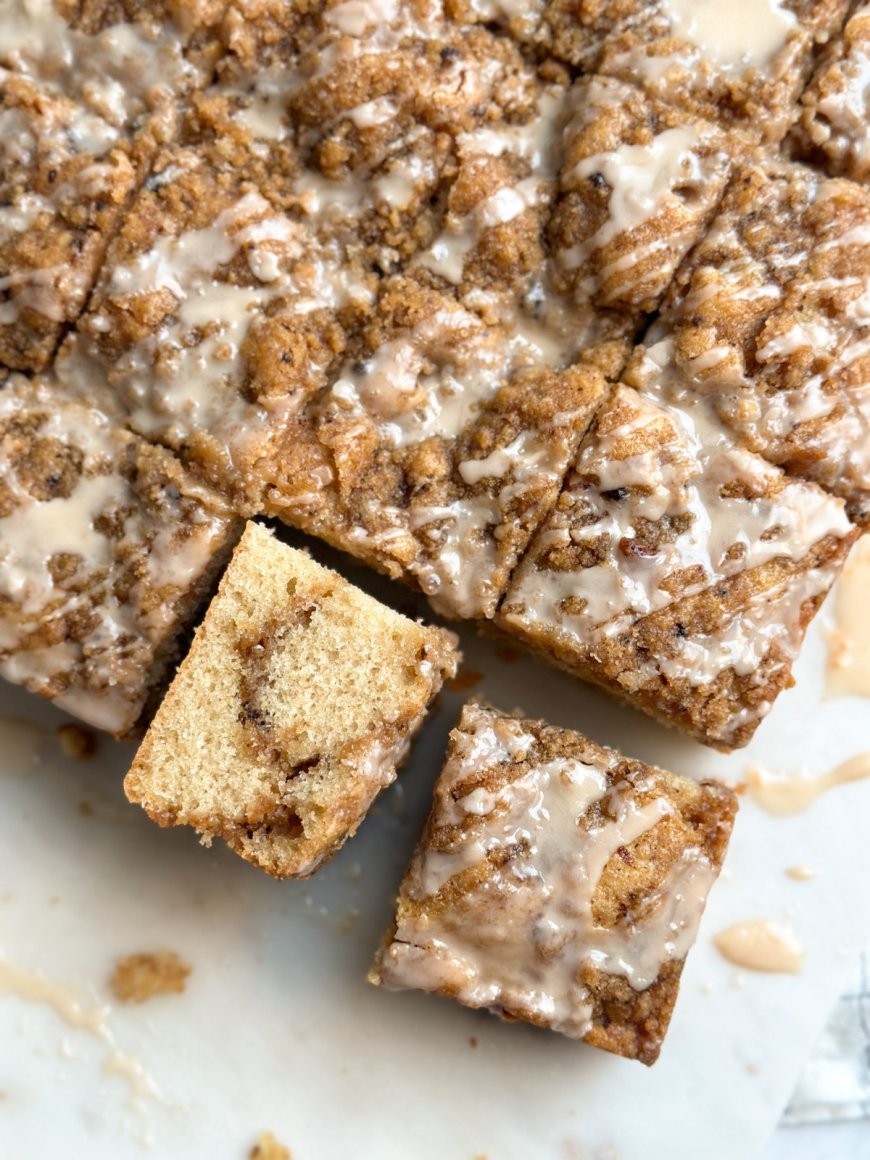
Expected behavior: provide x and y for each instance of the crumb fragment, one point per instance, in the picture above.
(142, 976)
(268, 1148)
(76, 741)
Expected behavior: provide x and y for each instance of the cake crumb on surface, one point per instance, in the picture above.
(268, 1148)
(146, 974)
(76, 741)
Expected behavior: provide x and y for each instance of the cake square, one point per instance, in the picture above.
(770, 321)
(678, 570)
(557, 882)
(108, 550)
(639, 183)
(297, 701)
(85, 98)
(440, 446)
(216, 314)
(834, 126)
(748, 69)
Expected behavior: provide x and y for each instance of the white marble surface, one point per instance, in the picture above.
(846, 1141)
(278, 1030)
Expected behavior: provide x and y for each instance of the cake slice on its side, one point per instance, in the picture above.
(557, 882)
(769, 324)
(291, 712)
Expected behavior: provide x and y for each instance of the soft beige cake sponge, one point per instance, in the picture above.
(296, 703)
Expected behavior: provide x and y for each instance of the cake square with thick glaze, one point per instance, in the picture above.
(557, 882)
(313, 692)
(84, 103)
(748, 69)
(108, 548)
(834, 125)
(678, 570)
(769, 320)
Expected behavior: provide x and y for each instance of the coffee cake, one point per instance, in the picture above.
(557, 882)
(108, 548)
(678, 570)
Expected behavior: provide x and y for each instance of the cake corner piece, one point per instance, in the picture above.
(295, 705)
(557, 882)
(109, 549)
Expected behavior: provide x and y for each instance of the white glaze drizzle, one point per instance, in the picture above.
(762, 945)
(35, 987)
(848, 667)
(750, 37)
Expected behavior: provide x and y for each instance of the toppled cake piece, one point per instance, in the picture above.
(678, 570)
(108, 548)
(81, 112)
(639, 182)
(747, 67)
(557, 882)
(296, 703)
(770, 321)
(834, 127)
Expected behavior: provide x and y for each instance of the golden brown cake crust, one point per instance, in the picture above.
(543, 875)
